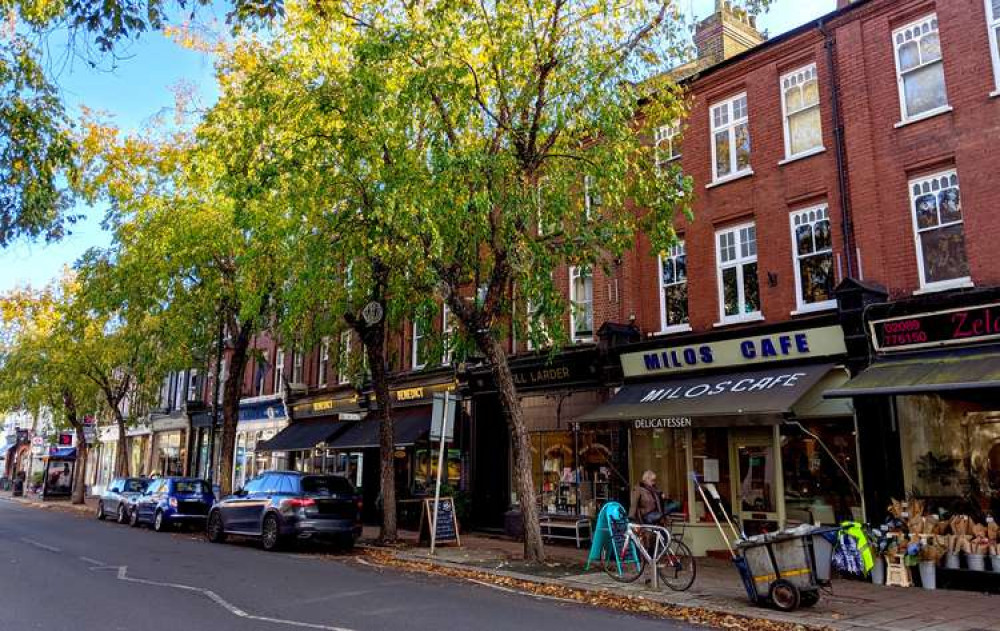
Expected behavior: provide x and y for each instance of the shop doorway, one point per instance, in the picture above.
(755, 485)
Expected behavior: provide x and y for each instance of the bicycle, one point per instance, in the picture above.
(629, 556)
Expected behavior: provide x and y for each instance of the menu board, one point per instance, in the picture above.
(954, 326)
(447, 522)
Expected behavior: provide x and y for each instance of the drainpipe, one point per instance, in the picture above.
(843, 187)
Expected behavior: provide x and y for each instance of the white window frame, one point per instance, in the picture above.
(993, 24)
(324, 362)
(279, 369)
(675, 251)
(447, 329)
(415, 347)
(739, 263)
(344, 358)
(951, 283)
(575, 272)
(298, 366)
(930, 19)
(192, 390)
(801, 305)
(591, 196)
(729, 127)
(807, 72)
(665, 135)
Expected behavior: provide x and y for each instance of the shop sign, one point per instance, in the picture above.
(940, 328)
(742, 351)
(421, 393)
(673, 422)
(713, 388)
(409, 394)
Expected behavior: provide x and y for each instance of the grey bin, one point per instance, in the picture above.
(791, 561)
(823, 544)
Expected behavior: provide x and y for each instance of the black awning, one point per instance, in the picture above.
(925, 373)
(409, 426)
(302, 435)
(759, 397)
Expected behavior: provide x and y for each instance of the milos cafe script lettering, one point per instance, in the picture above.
(748, 384)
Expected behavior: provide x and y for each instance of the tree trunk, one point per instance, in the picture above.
(80, 474)
(232, 391)
(374, 340)
(504, 379)
(122, 463)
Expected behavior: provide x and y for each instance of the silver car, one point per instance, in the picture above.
(119, 496)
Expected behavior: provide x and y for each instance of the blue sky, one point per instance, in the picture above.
(139, 88)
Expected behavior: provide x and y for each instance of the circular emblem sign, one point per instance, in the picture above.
(372, 312)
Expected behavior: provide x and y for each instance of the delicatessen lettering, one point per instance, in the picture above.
(709, 389)
(673, 422)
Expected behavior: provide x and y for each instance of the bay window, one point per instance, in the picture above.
(673, 289)
(739, 291)
(920, 69)
(730, 138)
(800, 106)
(581, 298)
(939, 230)
(812, 250)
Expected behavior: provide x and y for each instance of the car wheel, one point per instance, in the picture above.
(100, 510)
(160, 522)
(133, 517)
(215, 531)
(270, 535)
(122, 514)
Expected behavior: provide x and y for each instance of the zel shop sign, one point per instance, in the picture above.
(939, 328)
(743, 351)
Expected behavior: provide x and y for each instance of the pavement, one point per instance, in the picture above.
(237, 572)
(62, 570)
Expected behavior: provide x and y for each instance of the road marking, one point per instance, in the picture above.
(92, 561)
(222, 602)
(38, 544)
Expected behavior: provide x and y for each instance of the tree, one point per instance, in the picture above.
(40, 363)
(536, 118)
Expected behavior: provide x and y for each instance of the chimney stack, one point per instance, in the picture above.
(727, 32)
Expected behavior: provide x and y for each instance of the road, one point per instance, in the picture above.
(61, 571)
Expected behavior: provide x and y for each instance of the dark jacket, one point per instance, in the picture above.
(645, 501)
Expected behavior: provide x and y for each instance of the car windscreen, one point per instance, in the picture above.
(135, 486)
(326, 485)
(190, 486)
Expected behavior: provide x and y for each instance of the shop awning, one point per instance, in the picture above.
(759, 397)
(62, 453)
(409, 425)
(302, 435)
(922, 373)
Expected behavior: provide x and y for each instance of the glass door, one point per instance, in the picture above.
(755, 485)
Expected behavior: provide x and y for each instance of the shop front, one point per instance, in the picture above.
(260, 419)
(575, 468)
(169, 444)
(931, 401)
(139, 453)
(746, 414)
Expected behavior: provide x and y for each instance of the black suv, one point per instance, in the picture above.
(278, 506)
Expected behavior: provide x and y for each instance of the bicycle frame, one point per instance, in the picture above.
(662, 543)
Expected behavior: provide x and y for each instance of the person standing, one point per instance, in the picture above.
(648, 504)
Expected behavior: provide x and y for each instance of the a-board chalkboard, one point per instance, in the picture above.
(447, 521)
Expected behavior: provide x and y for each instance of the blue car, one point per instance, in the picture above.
(167, 502)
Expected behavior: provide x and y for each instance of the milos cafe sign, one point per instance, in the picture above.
(741, 351)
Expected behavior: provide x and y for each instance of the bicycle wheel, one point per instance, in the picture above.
(626, 570)
(676, 566)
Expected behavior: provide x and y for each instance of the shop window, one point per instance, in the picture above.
(817, 487)
(937, 440)
(673, 289)
(324, 361)
(920, 68)
(739, 291)
(812, 247)
(993, 23)
(664, 452)
(730, 139)
(667, 146)
(800, 105)
(939, 228)
(581, 297)
(425, 472)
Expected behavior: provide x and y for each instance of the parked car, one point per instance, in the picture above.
(118, 497)
(279, 506)
(171, 501)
